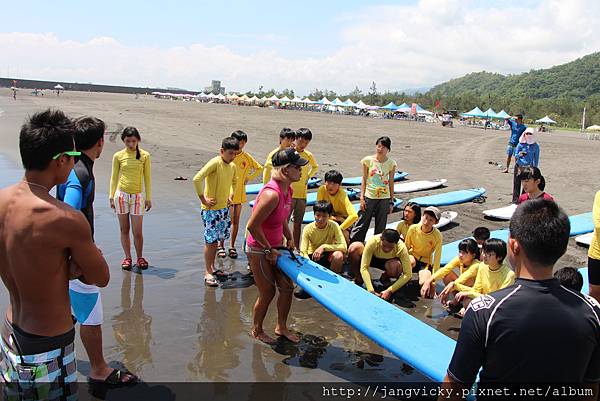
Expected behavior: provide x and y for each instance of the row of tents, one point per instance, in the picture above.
(491, 114)
(337, 102)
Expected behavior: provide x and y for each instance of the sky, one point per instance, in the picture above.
(302, 45)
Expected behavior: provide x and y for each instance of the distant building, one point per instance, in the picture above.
(215, 88)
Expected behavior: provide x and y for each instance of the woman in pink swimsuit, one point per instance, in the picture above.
(268, 225)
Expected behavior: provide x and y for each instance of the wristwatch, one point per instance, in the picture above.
(267, 251)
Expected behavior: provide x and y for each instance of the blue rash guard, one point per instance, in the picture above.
(78, 191)
(515, 132)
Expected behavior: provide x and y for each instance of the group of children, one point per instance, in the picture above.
(338, 234)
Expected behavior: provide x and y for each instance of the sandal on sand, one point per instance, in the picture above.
(126, 264)
(233, 253)
(221, 252)
(142, 263)
(211, 281)
(117, 378)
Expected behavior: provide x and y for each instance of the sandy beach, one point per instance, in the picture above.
(165, 325)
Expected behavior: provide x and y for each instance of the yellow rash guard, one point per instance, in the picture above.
(342, 207)
(423, 245)
(128, 173)
(594, 251)
(220, 180)
(470, 273)
(313, 237)
(453, 264)
(269, 165)
(246, 169)
(308, 171)
(489, 281)
(373, 249)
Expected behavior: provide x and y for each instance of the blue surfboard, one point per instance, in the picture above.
(449, 198)
(311, 197)
(428, 351)
(586, 282)
(580, 224)
(253, 189)
(309, 217)
(352, 181)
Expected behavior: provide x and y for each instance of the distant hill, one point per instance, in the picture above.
(578, 79)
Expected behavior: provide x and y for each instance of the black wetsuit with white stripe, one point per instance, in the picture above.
(530, 332)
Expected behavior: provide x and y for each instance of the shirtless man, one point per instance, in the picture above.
(43, 243)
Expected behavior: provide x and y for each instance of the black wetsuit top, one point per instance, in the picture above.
(78, 191)
(532, 331)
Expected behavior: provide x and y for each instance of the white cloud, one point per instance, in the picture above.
(396, 46)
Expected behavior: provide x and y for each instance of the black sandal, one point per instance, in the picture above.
(115, 379)
(233, 253)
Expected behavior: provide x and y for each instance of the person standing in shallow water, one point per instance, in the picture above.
(130, 168)
(268, 226)
(43, 243)
(79, 192)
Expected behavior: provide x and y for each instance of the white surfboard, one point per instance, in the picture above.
(502, 213)
(585, 239)
(412, 186)
(447, 218)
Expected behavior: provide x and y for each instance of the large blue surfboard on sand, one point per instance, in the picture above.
(449, 198)
(311, 197)
(309, 217)
(253, 189)
(411, 340)
(352, 181)
(580, 224)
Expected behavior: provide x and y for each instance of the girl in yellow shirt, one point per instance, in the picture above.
(130, 167)
(376, 190)
(460, 273)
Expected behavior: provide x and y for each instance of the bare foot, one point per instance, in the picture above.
(505, 170)
(288, 334)
(262, 336)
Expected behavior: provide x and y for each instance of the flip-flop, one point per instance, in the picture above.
(142, 263)
(126, 264)
(210, 281)
(220, 274)
(115, 379)
(221, 252)
(233, 253)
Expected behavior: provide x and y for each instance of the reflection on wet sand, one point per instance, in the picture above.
(219, 344)
(132, 327)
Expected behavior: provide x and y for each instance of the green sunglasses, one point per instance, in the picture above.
(69, 153)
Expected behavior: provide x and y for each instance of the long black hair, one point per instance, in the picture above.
(132, 131)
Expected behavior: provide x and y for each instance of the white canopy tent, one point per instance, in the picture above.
(349, 103)
(273, 98)
(546, 120)
(59, 86)
(307, 100)
(325, 101)
(296, 99)
(285, 99)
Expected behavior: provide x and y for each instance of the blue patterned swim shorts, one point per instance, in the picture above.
(217, 225)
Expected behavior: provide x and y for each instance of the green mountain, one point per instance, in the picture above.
(578, 79)
(561, 92)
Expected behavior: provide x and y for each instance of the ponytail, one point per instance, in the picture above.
(132, 131)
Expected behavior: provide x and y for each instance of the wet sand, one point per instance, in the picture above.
(166, 326)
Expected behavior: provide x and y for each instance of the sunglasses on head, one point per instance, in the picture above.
(68, 153)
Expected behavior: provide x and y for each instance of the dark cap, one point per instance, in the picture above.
(288, 156)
